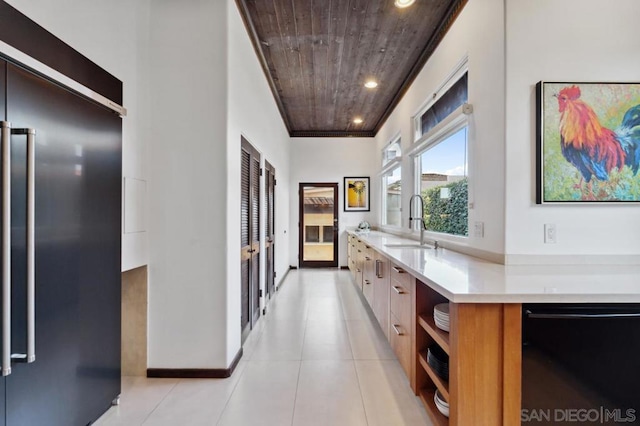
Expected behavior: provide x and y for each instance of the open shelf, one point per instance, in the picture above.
(442, 386)
(441, 337)
(437, 418)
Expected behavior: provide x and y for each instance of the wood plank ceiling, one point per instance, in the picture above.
(317, 55)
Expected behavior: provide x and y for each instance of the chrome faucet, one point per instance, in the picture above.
(420, 218)
(423, 225)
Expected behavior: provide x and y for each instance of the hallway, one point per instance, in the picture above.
(317, 358)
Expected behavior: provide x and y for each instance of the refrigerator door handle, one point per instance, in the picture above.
(5, 131)
(30, 356)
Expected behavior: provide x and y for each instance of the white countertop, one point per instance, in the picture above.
(466, 279)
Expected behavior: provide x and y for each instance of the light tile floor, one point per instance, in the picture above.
(318, 357)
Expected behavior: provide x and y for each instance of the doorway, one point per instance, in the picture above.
(269, 245)
(318, 225)
(250, 237)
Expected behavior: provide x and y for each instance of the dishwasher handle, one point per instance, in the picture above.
(585, 315)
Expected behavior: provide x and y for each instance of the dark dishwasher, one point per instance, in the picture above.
(581, 364)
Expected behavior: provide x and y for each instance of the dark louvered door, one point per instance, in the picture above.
(246, 246)
(270, 189)
(255, 238)
(250, 237)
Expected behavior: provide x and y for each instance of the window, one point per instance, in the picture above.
(441, 163)
(312, 234)
(442, 171)
(392, 197)
(391, 187)
(391, 152)
(453, 98)
(327, 234)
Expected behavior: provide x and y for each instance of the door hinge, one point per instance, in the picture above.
(274, 274)
(275, 182)
(260, 293)
(260, 171)
(264, 311)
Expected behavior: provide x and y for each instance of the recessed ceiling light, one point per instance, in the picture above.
(371, 84)
(357, 120)
(404, 3)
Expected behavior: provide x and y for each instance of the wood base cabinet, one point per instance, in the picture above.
(483, 345)
(402, 328)
(381, 291)
(483, 387)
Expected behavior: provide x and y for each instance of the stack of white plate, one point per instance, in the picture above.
(441, 404)
(441, 316)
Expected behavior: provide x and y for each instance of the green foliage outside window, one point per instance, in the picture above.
(447, 215)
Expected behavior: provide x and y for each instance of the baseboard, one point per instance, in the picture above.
(195, 373)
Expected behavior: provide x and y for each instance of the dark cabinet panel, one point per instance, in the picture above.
(77, 255)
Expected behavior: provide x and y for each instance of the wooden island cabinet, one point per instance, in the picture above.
(483, 345)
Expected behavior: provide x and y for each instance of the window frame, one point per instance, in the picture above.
(395, 140)
(383, 174)
(460, 69)
(454, 122)
(388, 168)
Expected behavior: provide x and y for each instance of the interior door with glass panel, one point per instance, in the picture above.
(318, 230)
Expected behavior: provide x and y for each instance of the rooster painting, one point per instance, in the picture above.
(604, 151)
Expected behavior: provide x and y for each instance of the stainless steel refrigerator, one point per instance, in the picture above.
(61, 217)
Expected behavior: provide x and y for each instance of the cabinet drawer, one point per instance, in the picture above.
(400, 340)
(368, 253)
(400, 301)
(367, 289)
(400, 275)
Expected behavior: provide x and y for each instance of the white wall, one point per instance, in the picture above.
(330, 160)
(84, 26)
(479, 34)
(107, 32)
(571, 40)
(182, 140)
(252, 113)
(188, 184)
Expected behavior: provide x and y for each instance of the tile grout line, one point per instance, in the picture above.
(260, 337)
(226, 403)
(295, 397)
(364, 409)
(304, 335)
(160, 402)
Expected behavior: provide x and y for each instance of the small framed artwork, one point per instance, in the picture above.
(356, 194)
(588, 142)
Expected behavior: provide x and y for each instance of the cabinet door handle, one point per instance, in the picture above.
(397, 330)
(31, 245)
(397, 289)
(399, 270)
(378, 268)
(367, 258)
(358, 270)
(6, 248)
(367, 282)
(534, 315)
(30, 356)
